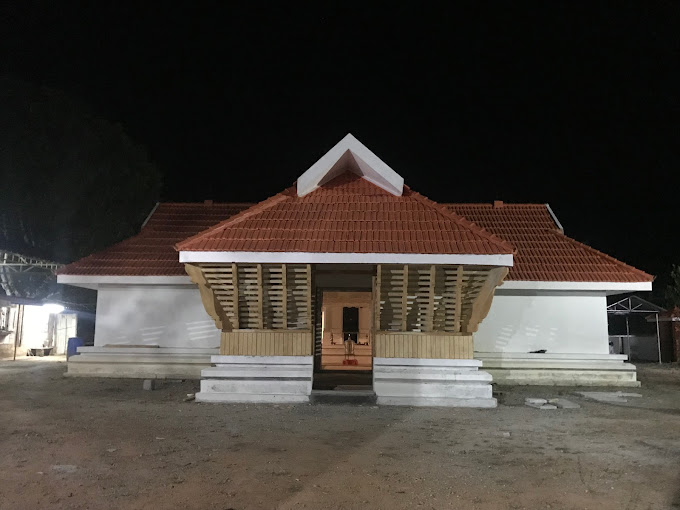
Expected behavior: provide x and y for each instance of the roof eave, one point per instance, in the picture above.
(610, 288)
(95, 281)
(503, 259)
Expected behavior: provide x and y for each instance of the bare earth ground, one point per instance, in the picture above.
(107, 444)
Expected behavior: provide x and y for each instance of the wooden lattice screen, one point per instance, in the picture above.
(258, 296)
(422, 298)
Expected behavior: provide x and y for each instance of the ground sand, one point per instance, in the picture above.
(107, 444)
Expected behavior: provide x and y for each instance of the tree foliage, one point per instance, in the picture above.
(71, 182)
(673, 287)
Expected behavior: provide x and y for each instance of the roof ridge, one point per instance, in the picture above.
(243, 215)
(203, 204)
(490, 204)
(444, 211)
(602, 254)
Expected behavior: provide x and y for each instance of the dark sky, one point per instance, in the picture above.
(566, 103)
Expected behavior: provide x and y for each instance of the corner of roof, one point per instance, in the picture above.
(554, 217)
(151, 213)
(447, 213)
(645, 277)
(243, 215)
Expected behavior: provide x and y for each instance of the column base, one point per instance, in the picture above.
(257, 379)
(432, 382)
(554, 369)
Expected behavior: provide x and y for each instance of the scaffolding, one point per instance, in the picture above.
(20, 275)
(634, 305)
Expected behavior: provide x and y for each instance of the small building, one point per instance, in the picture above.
(669, 333)
(635, 329)
(33, 318)
(437, 300)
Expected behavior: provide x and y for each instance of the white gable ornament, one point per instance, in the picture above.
(350, 153)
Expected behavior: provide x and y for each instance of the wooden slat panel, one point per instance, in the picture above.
(260, 301)
(429, 324)
(423, 345)
(309, 297)
(284, 291)
(266, 343)
(404, 300)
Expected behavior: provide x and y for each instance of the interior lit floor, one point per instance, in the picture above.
(333, 350)
(333, 356)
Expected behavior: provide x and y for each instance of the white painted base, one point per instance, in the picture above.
(437, 402)
(263, 379)
(139, 362)
(559, 369)
(431, 382)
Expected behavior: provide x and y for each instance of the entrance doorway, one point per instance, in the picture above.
(346, 333)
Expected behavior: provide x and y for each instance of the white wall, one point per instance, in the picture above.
(167, 316)
(333, 303)
(567, 322)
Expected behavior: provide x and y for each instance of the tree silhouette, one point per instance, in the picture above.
(673, 288)
(71, 182)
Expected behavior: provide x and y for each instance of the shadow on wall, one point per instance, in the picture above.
(524, 333)
(163, 317)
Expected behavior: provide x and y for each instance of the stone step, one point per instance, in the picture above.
(432, 374)
(254, 371)
(482, 402)
(552, 377)
(352, 397)
(250, 398)
(433, 389)
(257, 386)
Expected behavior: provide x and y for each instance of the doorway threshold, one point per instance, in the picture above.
(357, 395)
(332, 379)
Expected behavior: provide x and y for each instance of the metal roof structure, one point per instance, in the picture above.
(23, 276)
(633, 304)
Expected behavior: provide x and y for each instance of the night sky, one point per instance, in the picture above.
(523, 102)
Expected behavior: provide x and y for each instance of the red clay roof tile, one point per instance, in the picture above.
(151, 252)
(543, 253)
(347, 207)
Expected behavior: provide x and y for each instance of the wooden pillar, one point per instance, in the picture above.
(234, 280)
(482, 304)
(284, 297)
(429, 326)
(459, 300)
(310, 323)
(404, 300)
(260, 304)
(210, 302)
(377, 298)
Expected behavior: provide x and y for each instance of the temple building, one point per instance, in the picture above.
(351, 270)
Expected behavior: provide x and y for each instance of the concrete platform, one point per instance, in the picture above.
(556, 369)
(432, 382)
(139, 362)
(263, 379)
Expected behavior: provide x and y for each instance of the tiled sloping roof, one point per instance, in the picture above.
(544, 253)
(152, 252)
(348, 214)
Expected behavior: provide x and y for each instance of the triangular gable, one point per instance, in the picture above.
(350, 153)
